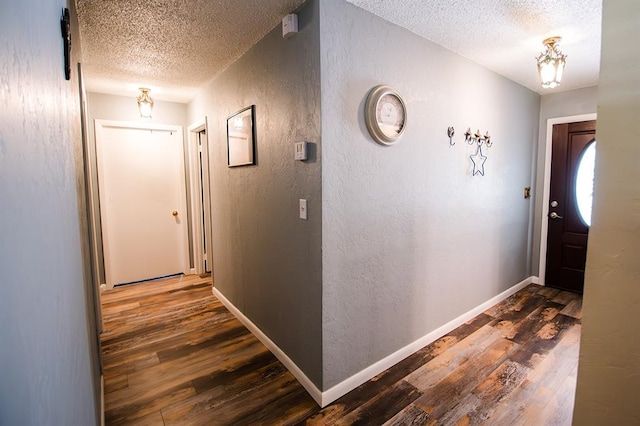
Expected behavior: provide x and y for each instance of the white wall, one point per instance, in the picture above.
(48, 369)
(125, 108)
(411, 240)
(555, 105)
(609, 369)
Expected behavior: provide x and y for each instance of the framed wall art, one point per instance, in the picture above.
(241, 138)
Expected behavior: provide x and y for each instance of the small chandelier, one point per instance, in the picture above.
(145, 103)
(551, 64)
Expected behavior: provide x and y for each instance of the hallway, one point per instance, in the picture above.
(173, 354)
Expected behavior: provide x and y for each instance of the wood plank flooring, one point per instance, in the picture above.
(174, 355)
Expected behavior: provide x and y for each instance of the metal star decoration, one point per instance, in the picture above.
(467, 136)
(487, 139)
(478, 162)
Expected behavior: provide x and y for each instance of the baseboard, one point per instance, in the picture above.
(315, 393)
(535, 280)
(373, 370)
(327, 397)
(102, 407)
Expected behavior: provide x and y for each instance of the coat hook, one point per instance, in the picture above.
(467, 136)
(450, 132)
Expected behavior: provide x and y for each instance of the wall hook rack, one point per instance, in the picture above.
(477, 137)
(477, 158)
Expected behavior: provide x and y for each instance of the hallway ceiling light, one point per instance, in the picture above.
(145, 103)
(551, 64)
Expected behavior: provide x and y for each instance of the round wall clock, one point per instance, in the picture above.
(385, 115)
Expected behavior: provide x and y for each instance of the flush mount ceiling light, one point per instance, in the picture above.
(145, 103)
(551, 63)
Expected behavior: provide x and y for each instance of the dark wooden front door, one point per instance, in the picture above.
(568, 229)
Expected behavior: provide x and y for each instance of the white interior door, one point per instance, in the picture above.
(142, 200)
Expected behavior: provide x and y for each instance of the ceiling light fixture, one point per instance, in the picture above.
(145, 103)
(551, 63)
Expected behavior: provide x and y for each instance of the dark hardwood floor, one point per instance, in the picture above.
(173, 354)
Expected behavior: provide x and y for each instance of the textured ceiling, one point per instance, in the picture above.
(172, 46)
(177, 46)
(506, 35)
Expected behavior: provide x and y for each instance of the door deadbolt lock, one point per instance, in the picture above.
(554, 204)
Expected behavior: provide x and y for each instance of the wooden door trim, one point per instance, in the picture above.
(544, 212)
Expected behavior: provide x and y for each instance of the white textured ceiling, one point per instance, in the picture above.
(506, 35)
(177, 46)
(172, 46)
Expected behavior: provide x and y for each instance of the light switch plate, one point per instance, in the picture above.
(300, 151)
(303, 209)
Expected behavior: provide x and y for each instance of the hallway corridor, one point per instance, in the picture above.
(173, 354)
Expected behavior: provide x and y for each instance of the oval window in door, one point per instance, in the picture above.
(584, 182)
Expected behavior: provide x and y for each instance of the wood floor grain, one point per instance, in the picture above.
(174, 355)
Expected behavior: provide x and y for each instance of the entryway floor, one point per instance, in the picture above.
(173, 354)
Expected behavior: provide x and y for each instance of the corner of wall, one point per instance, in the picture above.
(267, 260)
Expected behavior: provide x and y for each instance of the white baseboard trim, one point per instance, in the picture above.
(102, 407)
(325, 398)
(373, 370)
(535, 280)
(315, 393)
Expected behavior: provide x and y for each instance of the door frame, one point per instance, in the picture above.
(99, 125)
(195, 192)
(546, 186)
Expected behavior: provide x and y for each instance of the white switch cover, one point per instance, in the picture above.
(301, 151)
(303, 209)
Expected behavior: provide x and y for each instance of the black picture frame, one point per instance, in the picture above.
(65, 29)
(241, 138)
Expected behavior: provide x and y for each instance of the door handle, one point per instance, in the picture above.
(174, 213)
(555, 215)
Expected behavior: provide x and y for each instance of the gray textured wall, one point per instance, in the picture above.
(49, 372)
(266, 260)
(608, 374)
(410, 239)
(122, 108)
(563, 104)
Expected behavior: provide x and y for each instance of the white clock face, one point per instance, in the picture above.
(390, 115)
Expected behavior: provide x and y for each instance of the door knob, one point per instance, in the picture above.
(175, 213)
(555, 215)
